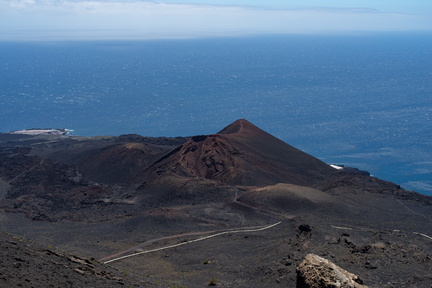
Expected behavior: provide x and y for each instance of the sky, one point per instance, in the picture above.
(139, 19)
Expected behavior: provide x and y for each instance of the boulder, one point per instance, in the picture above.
(317, 272)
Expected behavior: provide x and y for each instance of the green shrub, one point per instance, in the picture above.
(212, 282)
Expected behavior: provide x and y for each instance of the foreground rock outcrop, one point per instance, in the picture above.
(317, 272)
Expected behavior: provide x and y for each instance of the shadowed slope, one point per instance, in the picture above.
(119, 163)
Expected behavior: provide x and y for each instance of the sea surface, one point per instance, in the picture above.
(362, 100)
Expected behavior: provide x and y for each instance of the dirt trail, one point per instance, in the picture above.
(4, 187)
(262, 210)
(413, 212)
(27, 170)
(118, 256)
(234, 230)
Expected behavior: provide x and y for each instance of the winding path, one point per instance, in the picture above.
(238, 230)
(413, 212)
(117, 256)
(4, 187)
(26, 171)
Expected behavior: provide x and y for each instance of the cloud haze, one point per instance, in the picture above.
(45, 19)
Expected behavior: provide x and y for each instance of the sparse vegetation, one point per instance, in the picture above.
(16, 238)
(212, 282)
(175, 286)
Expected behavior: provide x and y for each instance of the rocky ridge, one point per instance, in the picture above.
(317, 272)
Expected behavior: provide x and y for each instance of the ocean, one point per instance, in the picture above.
(361, 100)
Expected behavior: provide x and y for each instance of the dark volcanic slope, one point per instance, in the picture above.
(112, 196)
(243, 154)
(26, 264)
(119, 163)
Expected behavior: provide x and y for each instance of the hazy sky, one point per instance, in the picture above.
(115, 19)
